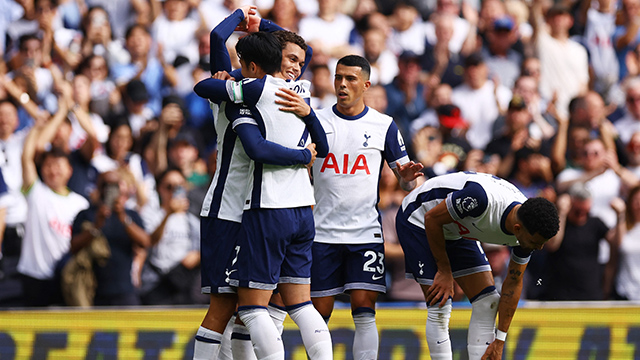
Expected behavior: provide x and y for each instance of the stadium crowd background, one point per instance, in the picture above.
(544, 94)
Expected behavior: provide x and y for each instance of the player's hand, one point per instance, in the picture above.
(494, 351)
(222, 75)
(441, 289)
(254, 24)
(247, 10)
(292, 102)
(409, 171)
(312, 148)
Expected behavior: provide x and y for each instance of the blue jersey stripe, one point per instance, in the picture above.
(433, 194)
(228, 145)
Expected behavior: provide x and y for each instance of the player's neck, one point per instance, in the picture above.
(512, 219)
(351, 110)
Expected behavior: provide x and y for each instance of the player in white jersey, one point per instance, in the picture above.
(440, 225)
(222, 207)
(348, 251)
(277, 222)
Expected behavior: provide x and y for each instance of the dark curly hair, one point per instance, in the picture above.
(539, 215)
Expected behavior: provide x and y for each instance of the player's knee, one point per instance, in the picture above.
(486, 301)
(439, 315)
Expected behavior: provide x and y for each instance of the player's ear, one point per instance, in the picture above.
(367, 85)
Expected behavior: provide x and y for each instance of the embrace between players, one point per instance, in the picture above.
(260, 233)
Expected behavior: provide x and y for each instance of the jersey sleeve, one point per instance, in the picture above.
(470, 201)
(219, 56)
(394, 148)
(318, 136)
(76, 227)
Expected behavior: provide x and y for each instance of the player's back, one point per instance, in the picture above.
(228, 190)
(479, 204)
(273, 186)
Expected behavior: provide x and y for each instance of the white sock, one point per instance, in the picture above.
(437, 331)
(365, 341)
(482, 324)
(314, 331)
(277, 315)
(207, 344)
(264, 334)
(241, 343)
(225, 343)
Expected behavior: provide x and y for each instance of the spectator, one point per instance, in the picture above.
(124, 13)
(322, 93)
(405, 94)
(124, 232)
(532, 174)
(98, 38)
(602, 175)
(564, 67)
(144, 66)
(376, 98)
(51, 209)
(285, 13)
(118, 155)
(408, 32)
(384, 64)
(462, 29)
(329, 30)
(630, 122)
(515, 135)
(626, 36)
(183, 155)
(137, 111)
(574, 251)
(105, 97)
(443, 64)
(172, 264)
(498, 52)
(440, 95)
(626, 252)
(633, 149)
(480, 100)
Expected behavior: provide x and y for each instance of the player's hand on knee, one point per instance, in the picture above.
(441, 289)
(494, 351)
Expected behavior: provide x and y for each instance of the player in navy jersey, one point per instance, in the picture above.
(222, 208)
(278, 221)
(348, 251)
(440, 225)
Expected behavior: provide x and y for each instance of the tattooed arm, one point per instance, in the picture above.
(511, 290)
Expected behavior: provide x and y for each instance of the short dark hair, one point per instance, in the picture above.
(22, 41)
(539, 215)
(54, 153)
(263, 49)
(359, 61)
(286, 36)
(136, 26)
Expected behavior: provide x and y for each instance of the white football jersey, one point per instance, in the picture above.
(274, 186)
(479, 204)
(346, 182)
(228, 190)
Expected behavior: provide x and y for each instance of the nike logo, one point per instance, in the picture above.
(476, 226)
(373, 277)
(442, 341)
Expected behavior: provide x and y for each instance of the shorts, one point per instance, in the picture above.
(465, 256)
(275, 248)
(338, 268)
(218, 242)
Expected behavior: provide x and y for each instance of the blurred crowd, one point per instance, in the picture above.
(106, 152)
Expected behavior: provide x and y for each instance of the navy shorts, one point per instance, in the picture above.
(465, 256)
(275, 248)
(218, 242)
(338, 268)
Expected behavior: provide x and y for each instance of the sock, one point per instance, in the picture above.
(278, 314)
(365, 341)
(484, 308)
(241, 343)
(437, 331)
(225, 344)
(314, 331)
(207, 344)
(264, 334)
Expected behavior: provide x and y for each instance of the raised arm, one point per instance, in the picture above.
(216, 90)
(29, 171)
(219, 56)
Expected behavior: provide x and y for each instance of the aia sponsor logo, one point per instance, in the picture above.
(347, 166)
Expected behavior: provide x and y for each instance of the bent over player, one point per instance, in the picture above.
(439, 226)
(348, 251)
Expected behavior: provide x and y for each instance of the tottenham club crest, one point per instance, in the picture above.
(366, 140)
(467, 204)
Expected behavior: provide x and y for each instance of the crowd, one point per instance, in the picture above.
(103, 138)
